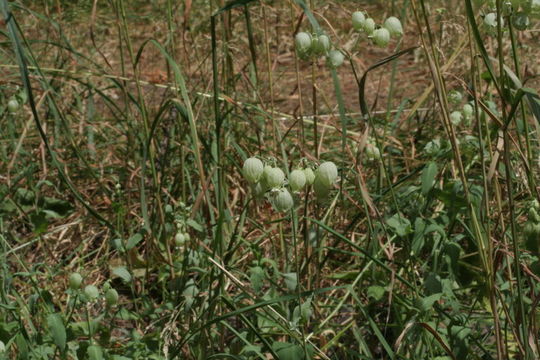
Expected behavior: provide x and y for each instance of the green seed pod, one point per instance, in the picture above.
(456, 117)
(2, 347)
(393, 25)
(297, 180)
(179, 239)
(468, 111)
(91, 292)
(75, 281)
(381, 37)
(455, 97)
(320, 45)
(273, 177)
(259, 189)
(283, 200)
(358, 19)
(310, 175)
(372, 152)
(321, 190)
(433, 147)
(253, 169)
(521, 21)
(111, 297)
(303, 42)
(490, 20)
(327, 173)
(368, 26)
(335, 59)
(13, 106)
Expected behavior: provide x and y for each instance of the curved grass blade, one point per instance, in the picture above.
(362, 83)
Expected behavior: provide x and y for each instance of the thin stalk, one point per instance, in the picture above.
(520, 309)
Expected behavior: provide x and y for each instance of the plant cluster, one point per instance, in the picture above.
(269, 180)
(519, 12)
(380, 35)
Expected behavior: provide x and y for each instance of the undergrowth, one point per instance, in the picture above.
(269, 179)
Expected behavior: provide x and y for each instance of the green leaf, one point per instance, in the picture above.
(376, 292)
(57, 330)
(195, 225)
(400, 225)
(432, 284)
(39, 222)
(122, 273)
(257, 278)
(133, 241)
(95, 352)
(288, 351)
(60, 207)
(419, 235)
(291, 280)
(428, 177)
(425, 304)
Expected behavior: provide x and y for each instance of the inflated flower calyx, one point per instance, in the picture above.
(468, 111)
(372, 152)
(321, 190)
(283, 200)
(253, 169)
(179, 239)
(75, 281)
(310, 175)
(455, 118)
(433, 147)
(335, 58)
(358, 19)
(273, 176)
(455, 97)
(491, 20)
(521, 21)
(13, 106)
(381, 37)
(327, 173)
(111, 297)
(297, 180)
(259, 189)
(303, 42)
(368, 26)
(91, 292)
(320, 44)
(393, 25)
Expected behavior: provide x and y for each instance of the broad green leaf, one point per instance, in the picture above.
(133, 241)
(400, 225)
(57, 330)
(257, 277)
(95, 352)
(288, 351)
(376, 292)
(122, 273)
(291, 281)
(428, 177)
